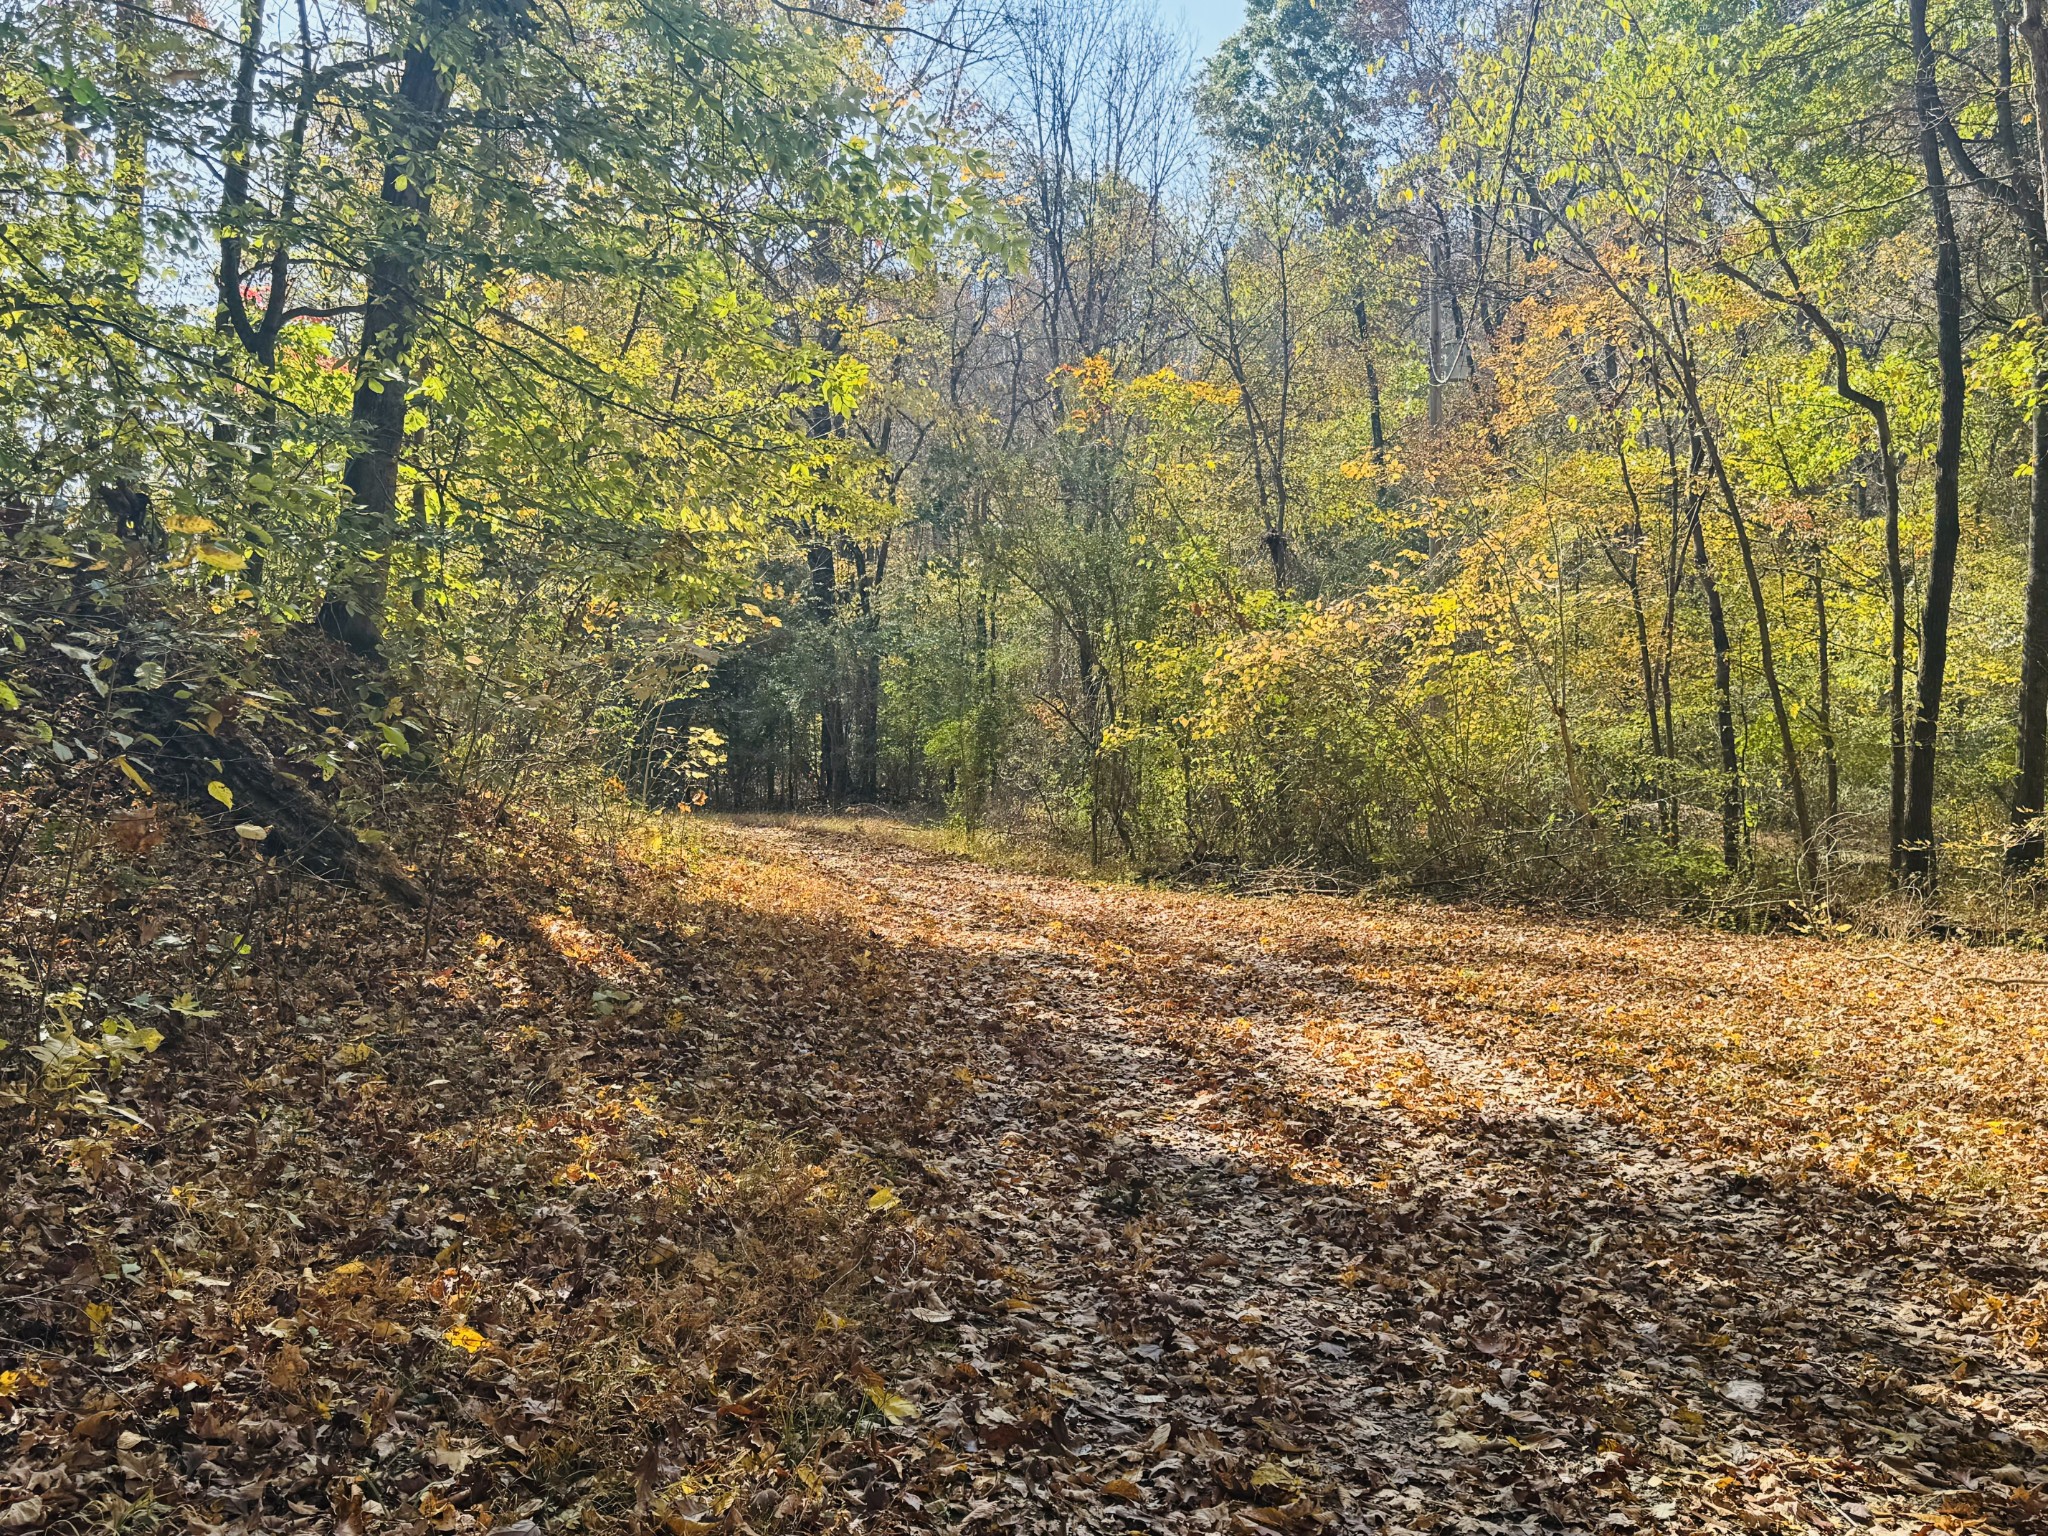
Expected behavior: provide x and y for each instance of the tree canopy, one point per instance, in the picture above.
(1414, 441)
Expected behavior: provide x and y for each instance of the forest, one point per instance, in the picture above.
(1560, 448)
(885, 766)
(1522, 446)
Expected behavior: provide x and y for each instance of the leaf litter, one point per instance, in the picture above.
(817, 1183)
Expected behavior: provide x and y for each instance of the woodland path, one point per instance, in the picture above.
(1260, 1224)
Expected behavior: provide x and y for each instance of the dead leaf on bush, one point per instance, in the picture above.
(136, 829)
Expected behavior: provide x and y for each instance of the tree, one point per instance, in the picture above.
(1918, 847)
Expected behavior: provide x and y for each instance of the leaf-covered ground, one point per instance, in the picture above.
(813, 1181)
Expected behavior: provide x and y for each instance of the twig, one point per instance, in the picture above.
(1982, 981)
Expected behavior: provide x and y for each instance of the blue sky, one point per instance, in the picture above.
(1207, 22)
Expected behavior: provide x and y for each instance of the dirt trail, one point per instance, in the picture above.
(1276, 1252)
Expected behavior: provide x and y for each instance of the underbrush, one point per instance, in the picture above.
(1569, 871)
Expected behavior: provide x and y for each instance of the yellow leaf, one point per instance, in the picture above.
(136, 778)
(883, 1199)
(221, 792)
(98, 1315)
(890, 1405)
(1124, 1488)
(465, 1337)
(221, 559)
(1273, 1475)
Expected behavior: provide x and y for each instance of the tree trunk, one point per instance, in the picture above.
(1724, 703)
(2030, 784)
(1802, 816)
(833, 774)
(236, 150)
(352, 611)
(2024, 851)
(1649, 678)
(258, 334)
(1375, 417)
(131, 138)
(1917, 854)
(1831, 765)
(126, 502)
(1277, 553)
(1434, 279)
(867, 692)
(1895, 582)
(1631, 574)
(235, 208)
(1888, 468)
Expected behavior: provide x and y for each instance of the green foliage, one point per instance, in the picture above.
(1397, 507)
(707, 395)
(595, 269)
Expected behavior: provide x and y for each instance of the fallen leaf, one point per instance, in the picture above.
(893, 1407)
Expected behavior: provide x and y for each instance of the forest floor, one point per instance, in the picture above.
(793, 1176)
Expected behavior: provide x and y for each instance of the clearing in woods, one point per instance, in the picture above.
(1410, 1217)
(811, 1181)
